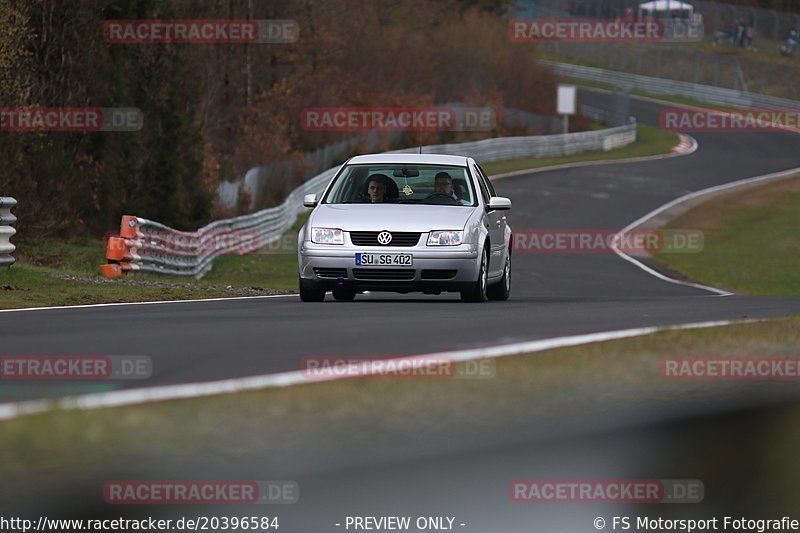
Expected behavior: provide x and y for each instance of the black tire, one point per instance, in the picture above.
(502, 289)
(343, 293)
(310, 291)
(477, 292)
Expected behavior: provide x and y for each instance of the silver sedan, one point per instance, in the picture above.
(406, 223)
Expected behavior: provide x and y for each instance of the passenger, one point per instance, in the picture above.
(443, 183)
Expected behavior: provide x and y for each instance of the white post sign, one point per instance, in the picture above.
(566, 102)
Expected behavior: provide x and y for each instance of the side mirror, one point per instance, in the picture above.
(310, 200)
(499, 203)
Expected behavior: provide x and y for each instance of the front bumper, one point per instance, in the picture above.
(434, 269)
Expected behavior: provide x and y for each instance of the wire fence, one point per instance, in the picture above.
(678, 62)
(660, 86)
(685, 62)
(769, 24)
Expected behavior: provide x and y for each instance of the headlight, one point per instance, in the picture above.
(327, 236)
(445, 238)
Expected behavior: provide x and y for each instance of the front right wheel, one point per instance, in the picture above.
(477, 292)
(310, 291)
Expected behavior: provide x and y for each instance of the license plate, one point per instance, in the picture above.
(384, 260)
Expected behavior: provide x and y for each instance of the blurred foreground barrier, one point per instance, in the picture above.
(149, 246)
(6, 231)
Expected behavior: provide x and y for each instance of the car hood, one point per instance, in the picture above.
(392, 217)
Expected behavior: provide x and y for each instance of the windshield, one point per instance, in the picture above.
(402, 183)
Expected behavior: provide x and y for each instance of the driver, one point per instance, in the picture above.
(443, 183)
(376, 188)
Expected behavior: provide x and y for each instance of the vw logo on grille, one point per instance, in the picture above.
(384, 237)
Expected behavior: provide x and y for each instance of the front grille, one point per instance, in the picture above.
(384, 273)
(370, 238)
(331, 272)
(438, 274)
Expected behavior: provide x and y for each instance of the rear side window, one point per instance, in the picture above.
(482, 184)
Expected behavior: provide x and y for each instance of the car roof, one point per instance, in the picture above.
(420, 159)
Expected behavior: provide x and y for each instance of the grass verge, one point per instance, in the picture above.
(751, 241)
(29, 286)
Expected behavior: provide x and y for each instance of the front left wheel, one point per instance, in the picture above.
(502, 289)
(477, 292)
(343, 294)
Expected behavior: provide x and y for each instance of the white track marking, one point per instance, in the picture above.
(684, 198)
(297, 377)
(116, 304)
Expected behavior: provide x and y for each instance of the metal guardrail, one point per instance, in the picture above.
(154, 247)
(703, 93)
(150, 246)
(6, 232)
(258, 179)
(489, 150)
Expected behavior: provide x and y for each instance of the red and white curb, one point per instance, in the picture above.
(687, 145)
(672, 153)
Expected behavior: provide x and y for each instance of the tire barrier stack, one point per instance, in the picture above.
(149, 246)
(121, 250)
(6, 232)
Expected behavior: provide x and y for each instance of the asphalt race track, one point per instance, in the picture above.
(552, 294)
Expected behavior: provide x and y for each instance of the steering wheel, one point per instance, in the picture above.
(440, 195)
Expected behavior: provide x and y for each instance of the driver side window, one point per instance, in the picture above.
(486, 180)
